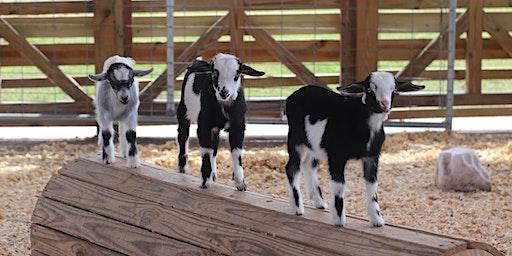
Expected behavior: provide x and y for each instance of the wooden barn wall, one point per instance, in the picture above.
(113, 32)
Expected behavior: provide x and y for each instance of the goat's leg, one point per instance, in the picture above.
(208, 171)
(123, 144)
(130, 127)
(236, 139)
(215, 146)
(106, 140)
(337, 172)
(182, 139)
(309, 166)
(370, 166)
(293, 175)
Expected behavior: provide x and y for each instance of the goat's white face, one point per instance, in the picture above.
(378, 90)
(122, 82)
(226, 76)
(383, 85)
(119, 72)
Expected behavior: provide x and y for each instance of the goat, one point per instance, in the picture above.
(117, 101)
(328, 126)
(212, 96)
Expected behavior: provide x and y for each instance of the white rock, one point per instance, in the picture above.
(459, 169)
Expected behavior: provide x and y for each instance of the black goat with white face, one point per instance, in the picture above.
(117, 100)
(212, 96)
(332, 127)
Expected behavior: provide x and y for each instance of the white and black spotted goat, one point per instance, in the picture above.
(212, 96)
(117, 100)
(328, 126)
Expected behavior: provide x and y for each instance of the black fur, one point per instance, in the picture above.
(131, 138)
(105, 135)
(214, 116)
(347, 130)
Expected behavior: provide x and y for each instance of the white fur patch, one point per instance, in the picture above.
(315, 132)
(227, 65)
(373, 207)
(122, 74)
(118, 59)
(296, 184)
(238, 171)
(383, 85)
(311, 181)
(192, 100)
(338, 189)
(375, 123)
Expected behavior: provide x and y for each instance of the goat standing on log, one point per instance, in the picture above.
(212, 96)
(117, 100)
(332, 127)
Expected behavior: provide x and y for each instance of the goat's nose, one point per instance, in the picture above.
(223, 94)
(124, 98)
(385, 105)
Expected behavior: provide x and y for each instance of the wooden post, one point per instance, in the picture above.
(474, 47)
(348, 45)
(112, 30)
(237, 34)
(367, 41)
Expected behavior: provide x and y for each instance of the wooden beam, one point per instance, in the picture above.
(34, 55)
(214, 32)
(474, 47)
(112, 30)
(498, 33)
(348, 44)
(236, 21)
(108, 233)
(52, 242)
(428, 54)
(281, 53)
(367, 21)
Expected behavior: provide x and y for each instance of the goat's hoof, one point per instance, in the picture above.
(182, 170)
(108, 161)
(299, 211)
(320, 205)
(377, 222)
(133, 162)
(241, 186)
(339, 221)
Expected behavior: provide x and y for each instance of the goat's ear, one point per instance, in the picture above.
(98, 77)
(140, 73)
(408, 87)
(200, 66)
(356, 89)
(246, 70)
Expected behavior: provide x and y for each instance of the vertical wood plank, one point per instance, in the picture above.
(348, 42)
(474, 47)
(367, 16)
(236, 20)
(112, 30)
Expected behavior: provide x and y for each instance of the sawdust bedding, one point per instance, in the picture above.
(407, 191)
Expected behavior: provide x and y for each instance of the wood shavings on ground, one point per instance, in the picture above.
(407, 192)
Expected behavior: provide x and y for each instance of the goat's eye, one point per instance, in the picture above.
(237, 76)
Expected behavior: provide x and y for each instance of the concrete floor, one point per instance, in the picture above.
(461, 124)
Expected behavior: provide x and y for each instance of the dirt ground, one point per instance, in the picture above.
(406, 183)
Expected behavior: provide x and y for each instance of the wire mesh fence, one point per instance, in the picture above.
(294, 42)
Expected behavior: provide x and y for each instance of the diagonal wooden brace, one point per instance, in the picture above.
(281, 53)
(428, 54)
(36, 57)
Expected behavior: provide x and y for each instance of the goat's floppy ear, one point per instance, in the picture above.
(246, 70)
(356, 89)
(408, 87)
(98, 77)
(140, 73)
(200, 66)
